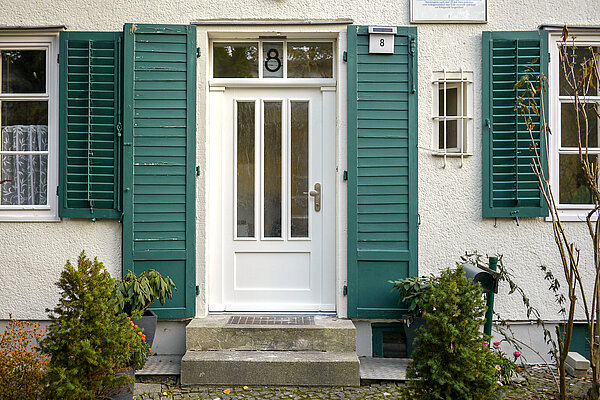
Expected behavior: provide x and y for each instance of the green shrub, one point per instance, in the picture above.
(22, 366)
(135, 293)
(87, 341)
(451, 361)
(414, 292)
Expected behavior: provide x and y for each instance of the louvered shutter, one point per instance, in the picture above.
(90, 83)
(510, 187)
(159, 149)
(382, 172)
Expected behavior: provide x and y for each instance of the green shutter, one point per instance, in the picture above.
(510, 187)
(90, 78)
(382, 172)
(159, 151)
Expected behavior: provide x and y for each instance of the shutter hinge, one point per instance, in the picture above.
(197, 170)
(345, 291)
(488, 123)
(197, 290)
(345, 175)
(57, 190)
(198, 53)
(58, 58)
(345, 56)
(548, 57)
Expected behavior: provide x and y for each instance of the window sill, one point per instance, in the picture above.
(573, 215)
(28, 216)
(449, 154)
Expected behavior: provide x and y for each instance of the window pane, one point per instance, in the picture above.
(569, 130)
(23, 71)
(576, 56)
(25, 179)
(235, 60)
(451, 110)
(573, 188)
(299, 168)
(245, 169)
(310, 60)
(272, 173)
(272, 60)
(24, 126)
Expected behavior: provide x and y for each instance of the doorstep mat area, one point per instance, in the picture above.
(161, 365)
(384, 369)
(271, 320)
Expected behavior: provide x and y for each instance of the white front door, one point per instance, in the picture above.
(278, 201)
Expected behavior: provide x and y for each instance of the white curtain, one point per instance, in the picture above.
(27, 174)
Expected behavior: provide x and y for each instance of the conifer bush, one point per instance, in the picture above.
(451, 360)
(89, 344)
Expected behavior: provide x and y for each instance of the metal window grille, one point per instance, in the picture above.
(453, 113)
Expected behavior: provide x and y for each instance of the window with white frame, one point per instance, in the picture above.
(452, 113)
(273, 58)
(28, 128)
(567, 180)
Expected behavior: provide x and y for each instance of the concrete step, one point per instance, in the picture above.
(213, 333)
(293, 368)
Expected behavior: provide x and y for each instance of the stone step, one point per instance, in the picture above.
(213, 333)
(285, 368)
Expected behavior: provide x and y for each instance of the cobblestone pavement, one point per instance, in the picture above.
(537, 384)
(375, 391)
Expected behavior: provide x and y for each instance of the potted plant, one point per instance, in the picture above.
(91, 347)
(414, 293)
(135, 293)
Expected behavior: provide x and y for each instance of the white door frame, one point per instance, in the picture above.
(210, 102)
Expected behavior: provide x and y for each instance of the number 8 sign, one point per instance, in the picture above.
(381, 39)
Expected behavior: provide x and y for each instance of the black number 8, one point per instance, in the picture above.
(272, 54)
(382, 42)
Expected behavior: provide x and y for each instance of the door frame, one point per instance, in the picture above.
(211, 104)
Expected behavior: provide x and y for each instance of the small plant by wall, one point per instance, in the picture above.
(451, 360)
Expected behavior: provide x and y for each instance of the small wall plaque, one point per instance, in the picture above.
(448, 11)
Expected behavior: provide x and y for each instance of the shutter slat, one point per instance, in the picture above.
(90, 76)
(510, 187)
(382, 241)
(159, 175)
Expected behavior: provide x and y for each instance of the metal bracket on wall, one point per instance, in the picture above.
(198, 52)
(345, 290)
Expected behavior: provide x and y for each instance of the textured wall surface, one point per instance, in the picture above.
(449, 198)
(32, 256)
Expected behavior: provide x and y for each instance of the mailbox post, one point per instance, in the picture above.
(488, 279)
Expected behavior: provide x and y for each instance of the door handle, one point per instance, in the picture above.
(316, 193)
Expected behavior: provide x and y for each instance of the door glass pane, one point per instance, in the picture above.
(235, 60)
(310, 60)
(299, 168)
(573, 188)
(245, 169)
(569, 130)
(272, 60)
(272, 169)
(23, 71)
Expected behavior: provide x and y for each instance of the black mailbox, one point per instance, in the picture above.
(487, 278)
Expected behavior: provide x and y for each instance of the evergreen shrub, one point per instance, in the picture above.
(451, 360)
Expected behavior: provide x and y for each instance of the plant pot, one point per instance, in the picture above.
(148, 323)
(124, 393)
(412, 325)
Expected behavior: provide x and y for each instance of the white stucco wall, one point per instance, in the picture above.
(32, 256)
(449, 198)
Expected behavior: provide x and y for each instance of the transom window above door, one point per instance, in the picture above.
(273, 59)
